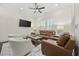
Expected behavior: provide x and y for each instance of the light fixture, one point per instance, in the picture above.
(37, 8)
(21, 8)
(56, 4)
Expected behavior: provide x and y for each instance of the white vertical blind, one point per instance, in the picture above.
(46, 23)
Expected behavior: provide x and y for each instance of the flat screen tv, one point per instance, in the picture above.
(24, 23)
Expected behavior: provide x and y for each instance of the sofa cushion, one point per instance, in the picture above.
(63, 40)
(53, 42)
(47, 32)
(70, 45)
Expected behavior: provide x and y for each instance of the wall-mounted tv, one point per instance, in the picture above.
(24, 23)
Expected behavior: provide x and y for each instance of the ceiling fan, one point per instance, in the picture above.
(37, 8)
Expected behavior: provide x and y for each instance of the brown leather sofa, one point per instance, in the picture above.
(47, 32)
(62, 47)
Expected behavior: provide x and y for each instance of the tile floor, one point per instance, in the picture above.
(7, 51)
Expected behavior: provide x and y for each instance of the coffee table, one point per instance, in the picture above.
(35, 39)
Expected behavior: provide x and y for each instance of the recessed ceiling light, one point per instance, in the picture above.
(56, 5)
(21, 8)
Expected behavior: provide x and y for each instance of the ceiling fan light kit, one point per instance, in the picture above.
(37, 8)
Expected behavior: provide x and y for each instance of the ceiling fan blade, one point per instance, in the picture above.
(39, 11)
(42, 8)
(37, 8)
(34, 12)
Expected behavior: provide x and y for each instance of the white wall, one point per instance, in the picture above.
(77, 22)
(60, 17)
(9, 24)
(9, 18)
(3, 30)
(77, 25)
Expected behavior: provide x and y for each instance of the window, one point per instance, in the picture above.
(47, 23)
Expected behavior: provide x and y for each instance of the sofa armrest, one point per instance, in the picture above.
(53, 50)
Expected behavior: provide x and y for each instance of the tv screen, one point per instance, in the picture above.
(24, 23)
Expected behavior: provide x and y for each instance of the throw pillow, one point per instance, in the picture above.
(63, 40)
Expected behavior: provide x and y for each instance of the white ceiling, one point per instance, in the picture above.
(59, 12)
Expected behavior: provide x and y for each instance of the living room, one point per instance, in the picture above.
(57, 18)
